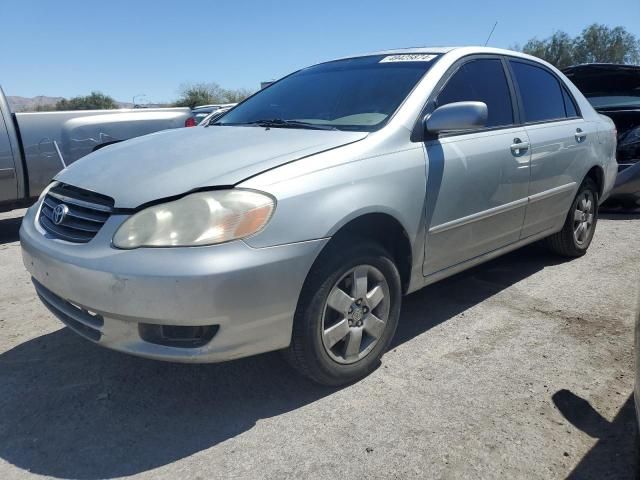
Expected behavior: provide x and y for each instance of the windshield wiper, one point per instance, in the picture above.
(280, 123)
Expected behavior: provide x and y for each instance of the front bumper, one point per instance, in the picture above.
(249, 294)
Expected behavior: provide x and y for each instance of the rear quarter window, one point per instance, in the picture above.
(569, 105)
(541, 93)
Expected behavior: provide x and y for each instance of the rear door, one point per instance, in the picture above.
(8, 179)
(560, 141)
(478, 181)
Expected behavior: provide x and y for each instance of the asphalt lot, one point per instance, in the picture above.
(520, 368)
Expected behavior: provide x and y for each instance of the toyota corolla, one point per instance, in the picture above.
(299, 219)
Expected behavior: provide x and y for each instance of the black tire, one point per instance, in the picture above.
(564, 242)
(636, 442)
(307, 353)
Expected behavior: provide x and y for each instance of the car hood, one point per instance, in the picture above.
(174, 162)
(594, 79)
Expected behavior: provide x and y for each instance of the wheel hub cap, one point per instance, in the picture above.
(583, 217)
(355, 314)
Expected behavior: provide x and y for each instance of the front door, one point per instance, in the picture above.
(477, 181)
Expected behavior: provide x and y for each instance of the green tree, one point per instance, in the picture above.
(601, 44)
(237, 95)
(193, 95)
(596, 43)
(94, 101)
(558, 49)
(43, 108)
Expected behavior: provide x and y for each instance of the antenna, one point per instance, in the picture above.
(491, 33)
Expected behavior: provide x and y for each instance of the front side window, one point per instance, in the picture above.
(481, 80)
(540, 91)
(354, 94)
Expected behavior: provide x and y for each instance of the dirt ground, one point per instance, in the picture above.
(519, 368)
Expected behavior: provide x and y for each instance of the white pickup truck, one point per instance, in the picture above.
(36, 146)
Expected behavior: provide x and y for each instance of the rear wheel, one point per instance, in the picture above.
(580, 225)
(347, 313)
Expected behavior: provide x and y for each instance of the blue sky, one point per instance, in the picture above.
(124, 48)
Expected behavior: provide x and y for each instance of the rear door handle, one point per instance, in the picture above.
(519, 147)
(580, 135)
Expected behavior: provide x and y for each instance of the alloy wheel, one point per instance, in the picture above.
(356, 313)
(583, 217)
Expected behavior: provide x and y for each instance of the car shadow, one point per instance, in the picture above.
(608, 215)
(9, 230)
(71, 409)
(454, 295)
(615, 454)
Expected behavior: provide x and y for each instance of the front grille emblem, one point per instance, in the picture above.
(59, 213)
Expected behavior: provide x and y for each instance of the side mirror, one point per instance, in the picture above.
(457, 116)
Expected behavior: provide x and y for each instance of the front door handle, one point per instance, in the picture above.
(519, 147)
(580, 135)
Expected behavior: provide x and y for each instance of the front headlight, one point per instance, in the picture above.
(203, 218)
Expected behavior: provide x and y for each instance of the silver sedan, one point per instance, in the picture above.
(299, 219)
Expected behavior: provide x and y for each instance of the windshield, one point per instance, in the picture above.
(354, 94)
(199, 116)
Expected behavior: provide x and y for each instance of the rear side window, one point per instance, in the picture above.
(569, 105)
(481, 81)
(541, 94)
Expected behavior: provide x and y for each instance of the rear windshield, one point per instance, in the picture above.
(354, 94)
(199, 116)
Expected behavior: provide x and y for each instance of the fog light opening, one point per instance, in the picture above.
(180, 336)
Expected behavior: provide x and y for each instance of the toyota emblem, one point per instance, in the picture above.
(59, 213)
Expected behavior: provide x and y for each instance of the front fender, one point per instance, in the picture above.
(318, 195)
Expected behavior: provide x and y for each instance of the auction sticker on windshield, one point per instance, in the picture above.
(416, 57)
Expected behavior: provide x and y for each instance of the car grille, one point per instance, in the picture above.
(84, 213)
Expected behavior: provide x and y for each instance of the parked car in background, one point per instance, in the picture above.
(299, 219)
(614, 91)
(199, 113)
(213, 116)
(36, 146)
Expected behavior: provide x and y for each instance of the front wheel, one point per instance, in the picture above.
(347, 313)
(580, 225)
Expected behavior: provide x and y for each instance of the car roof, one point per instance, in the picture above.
(462, 50)
(413, 50)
